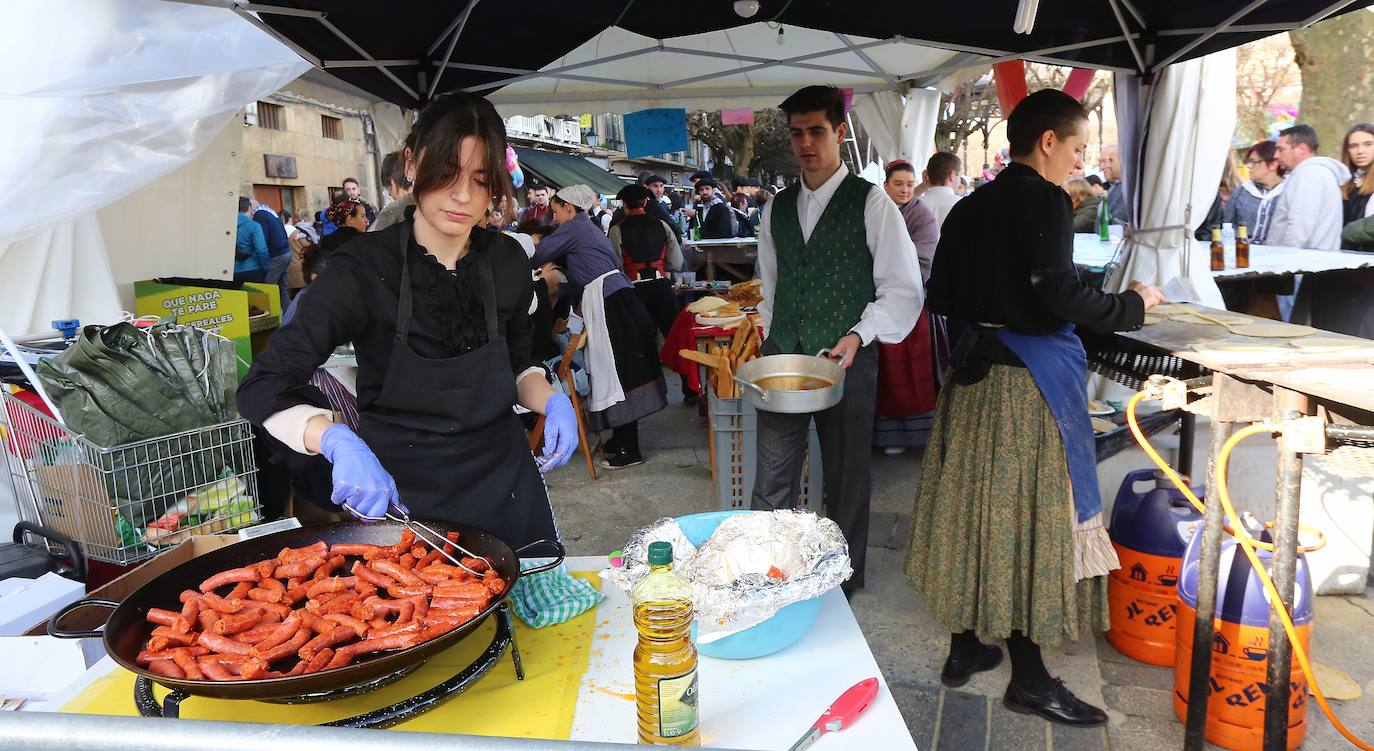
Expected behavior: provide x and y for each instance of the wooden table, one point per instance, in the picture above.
(725, 253)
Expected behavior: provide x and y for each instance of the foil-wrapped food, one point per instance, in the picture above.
(752, 566)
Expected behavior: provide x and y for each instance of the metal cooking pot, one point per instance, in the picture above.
(816, 366)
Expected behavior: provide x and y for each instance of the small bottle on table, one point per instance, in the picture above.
(1218, 249)
(1242, 247)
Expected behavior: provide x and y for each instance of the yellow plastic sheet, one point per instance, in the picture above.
(541, 706)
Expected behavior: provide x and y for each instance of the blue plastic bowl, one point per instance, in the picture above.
(779, 632)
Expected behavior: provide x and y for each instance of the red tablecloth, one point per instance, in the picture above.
(684, 335)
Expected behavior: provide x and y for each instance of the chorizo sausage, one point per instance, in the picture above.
(232, 576)
(223, 644)
(370, 575)
(316, 550)
(351, 548)
(167, 668)
(282, 633)
(304, 567)
(221, 605)
(330, 565)
(176, 621)
(233, 624)
(338, 635)
(286, 648)
(347, 620)
(397, 572)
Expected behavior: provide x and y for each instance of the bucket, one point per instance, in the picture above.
(782, 630)
(1240, 643)
(1150, 532)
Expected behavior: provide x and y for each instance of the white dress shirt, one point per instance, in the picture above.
(940, 200)
(898, 296)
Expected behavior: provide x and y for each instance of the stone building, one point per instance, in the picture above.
(300, 143)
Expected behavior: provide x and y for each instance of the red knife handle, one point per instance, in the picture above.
(849, 706)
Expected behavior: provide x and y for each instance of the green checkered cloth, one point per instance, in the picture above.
(551, 597)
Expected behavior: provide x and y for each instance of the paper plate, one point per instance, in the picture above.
(719, 321)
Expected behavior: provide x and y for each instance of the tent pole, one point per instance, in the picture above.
(560, 69)
(296, 48)
(753, 59)
(1130, 40)
(462, 23)
(774, 63)
(869, 61)
(1189, 47)
(951, 67)
(358, 49)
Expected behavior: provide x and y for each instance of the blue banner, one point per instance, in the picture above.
(656, 131)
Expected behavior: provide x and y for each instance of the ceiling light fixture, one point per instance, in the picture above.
(746, 8)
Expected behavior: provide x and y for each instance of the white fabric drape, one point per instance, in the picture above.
(901, 127)
(1190, 116)
(100, 98)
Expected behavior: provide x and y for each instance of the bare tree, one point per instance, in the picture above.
(760, 148)
(970, 108)
(1263, 69)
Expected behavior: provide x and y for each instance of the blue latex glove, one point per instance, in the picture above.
(560, 432)
(361, 484)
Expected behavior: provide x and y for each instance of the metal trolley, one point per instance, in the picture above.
(126, 503)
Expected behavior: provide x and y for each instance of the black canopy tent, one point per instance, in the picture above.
(406, 51)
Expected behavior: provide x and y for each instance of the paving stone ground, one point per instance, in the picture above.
(596, 517)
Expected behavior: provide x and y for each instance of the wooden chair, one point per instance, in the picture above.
(576, 342)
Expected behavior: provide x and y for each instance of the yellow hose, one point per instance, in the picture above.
(1247, 545)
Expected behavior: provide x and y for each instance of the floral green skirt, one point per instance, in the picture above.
(993, 539)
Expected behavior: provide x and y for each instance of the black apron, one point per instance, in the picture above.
(445, 431)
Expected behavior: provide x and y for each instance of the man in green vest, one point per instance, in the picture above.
(839, 272)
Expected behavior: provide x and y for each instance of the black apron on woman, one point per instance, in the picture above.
(445, 430)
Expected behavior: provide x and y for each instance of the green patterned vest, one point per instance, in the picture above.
(823, 284)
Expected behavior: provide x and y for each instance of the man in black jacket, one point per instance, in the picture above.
(654, 208)
(715, 217)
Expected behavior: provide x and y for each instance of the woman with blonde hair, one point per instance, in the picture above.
(1085, 203)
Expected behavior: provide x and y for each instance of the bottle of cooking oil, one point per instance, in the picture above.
(665, 659)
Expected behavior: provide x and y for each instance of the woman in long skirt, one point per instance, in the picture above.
(909, 372)
(1008, 541)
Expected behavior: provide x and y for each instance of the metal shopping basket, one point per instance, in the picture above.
(126, 503)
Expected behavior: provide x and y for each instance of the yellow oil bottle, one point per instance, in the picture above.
(665, 660)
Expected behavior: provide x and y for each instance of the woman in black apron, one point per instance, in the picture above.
(439, 318)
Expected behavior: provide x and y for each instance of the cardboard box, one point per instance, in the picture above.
(87, 619)
(23, 601)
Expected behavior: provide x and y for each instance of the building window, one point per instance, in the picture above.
(332, 127)
(271, 116)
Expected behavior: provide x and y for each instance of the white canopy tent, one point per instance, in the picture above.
(745, 66)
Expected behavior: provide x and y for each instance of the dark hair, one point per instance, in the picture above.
(940, 165)
(536, 186)
(1366, 186)
(313, 261)
(1094, 180)
(1264, 150)
(335, 196)
(1046, 109)
(394, 169)
(898, 165)
(353, 180)
(558, 200)
(827, 99)
(534, 227)
(739, 201)
(1301, 134)
(675, 201)
(244, 203)
(762, 198)
(439, 131)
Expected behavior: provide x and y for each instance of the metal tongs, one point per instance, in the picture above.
(425, 533)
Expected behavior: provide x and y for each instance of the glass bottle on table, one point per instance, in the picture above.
(1242, 247)
(1104, 220)
(1218, 249)
(665, 660)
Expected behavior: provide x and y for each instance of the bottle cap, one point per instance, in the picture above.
(660, 553)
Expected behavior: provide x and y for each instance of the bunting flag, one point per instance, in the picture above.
(1011, 84)
(737, 117)
(655, 131)
(1079, 81)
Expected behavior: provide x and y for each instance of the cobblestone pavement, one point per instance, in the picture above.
(596, 517)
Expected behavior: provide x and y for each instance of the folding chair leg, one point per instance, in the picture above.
(582, 431)
(536, 435)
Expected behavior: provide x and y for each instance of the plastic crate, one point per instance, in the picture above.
(734, 428)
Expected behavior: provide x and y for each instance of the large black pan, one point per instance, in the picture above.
(127, 629)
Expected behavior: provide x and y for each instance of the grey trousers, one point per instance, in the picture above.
(846, 437)
(277, 275)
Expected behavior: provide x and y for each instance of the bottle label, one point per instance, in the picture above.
(677, 705)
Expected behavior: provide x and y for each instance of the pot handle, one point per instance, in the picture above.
(61, 633)
(551, 565)
(825, 353)
(754, 387)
